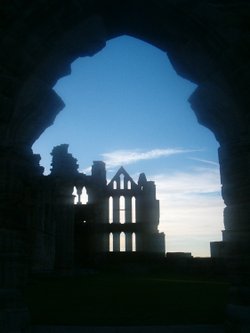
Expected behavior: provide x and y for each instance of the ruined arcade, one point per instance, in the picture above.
(82, 231)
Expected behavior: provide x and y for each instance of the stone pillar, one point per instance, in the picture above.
(105, 242)
(79, 193)
(139, 242)
(116, 209)
(116, 242)
(17, 170)
(105, 235)
(235, 178)
(64, 215)
(42, 227)
(223, 107)
(105, 210)
(128, 210)
(101, 242)
(128, 237)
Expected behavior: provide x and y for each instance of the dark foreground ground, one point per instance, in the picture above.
(110, 298)
(130, 329)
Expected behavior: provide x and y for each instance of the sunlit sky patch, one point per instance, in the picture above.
(127, 106)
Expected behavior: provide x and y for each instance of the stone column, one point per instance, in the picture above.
(105, 242)
(224, 108)
(139, 242)
(116, 209)
(116, 242)
(64, 215)
(42, 227)
(105, 235)
(235, 178)
(17, 170)
(128, 209)
(128, 237)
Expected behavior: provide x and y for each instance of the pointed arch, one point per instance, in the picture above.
(111, 207)
(122, 242)
(111, 242)
(133, 242)
(122, 210)
(122, 181)
(133, 209)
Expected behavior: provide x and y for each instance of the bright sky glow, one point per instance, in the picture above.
(127, 106)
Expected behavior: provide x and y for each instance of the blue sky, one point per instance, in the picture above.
(127, 106)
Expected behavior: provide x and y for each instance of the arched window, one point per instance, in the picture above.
(114, 185)
(133, 210)
(81, 196)
(122, 210)
(129, 185)
(133, 242)
(122, 182)
(75, 195)
(111, 242)
(110, 209)
(84, 196)
(122, 242)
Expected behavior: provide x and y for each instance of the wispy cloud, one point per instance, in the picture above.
(196, 180)
(191, 209)
(204, 161)
(125, 157)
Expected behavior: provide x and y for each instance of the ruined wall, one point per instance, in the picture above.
(125, 194)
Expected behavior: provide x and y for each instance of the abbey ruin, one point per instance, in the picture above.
(65, 234)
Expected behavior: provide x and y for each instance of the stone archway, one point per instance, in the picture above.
(206, 41)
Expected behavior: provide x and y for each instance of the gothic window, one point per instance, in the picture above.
(81, 196)
(133, 242)
(111, 209)
(122, 210)
(122, 242)
(122, 182)
(74, 193)
(111, 247)
(133, 210)
(84, 196)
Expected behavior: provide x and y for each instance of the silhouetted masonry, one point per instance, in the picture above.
(66, 234)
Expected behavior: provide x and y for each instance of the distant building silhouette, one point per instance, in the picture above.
(76, 232)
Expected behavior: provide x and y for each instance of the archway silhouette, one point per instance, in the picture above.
(91, 108)
(205, 44)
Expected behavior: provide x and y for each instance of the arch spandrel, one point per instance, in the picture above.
(192, 34)
(37, 104)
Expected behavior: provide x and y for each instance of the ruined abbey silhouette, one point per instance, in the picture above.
(70, 234)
